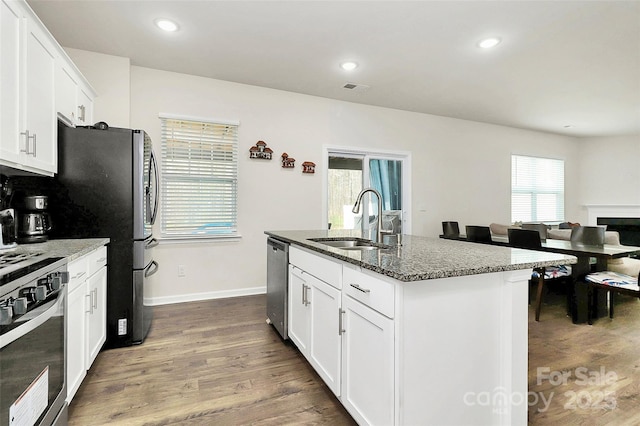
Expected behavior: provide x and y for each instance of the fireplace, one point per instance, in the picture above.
(627, 227)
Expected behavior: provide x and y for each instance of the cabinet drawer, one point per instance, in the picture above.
(318, 266)
(77, 273)
(370, 290)
(96, 260)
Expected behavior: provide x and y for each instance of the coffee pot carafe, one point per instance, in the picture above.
(34, 222)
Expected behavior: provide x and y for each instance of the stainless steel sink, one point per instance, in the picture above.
(350, 243)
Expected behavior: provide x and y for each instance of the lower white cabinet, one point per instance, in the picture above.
(96, 314)
(313, 326)
(325, 332)
(348, 342)
(367, 364)
(86, 315)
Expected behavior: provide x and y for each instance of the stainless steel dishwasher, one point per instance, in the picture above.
(277, 285)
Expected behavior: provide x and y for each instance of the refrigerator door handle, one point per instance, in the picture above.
(149, 271)
(151, 244)
(154, 167)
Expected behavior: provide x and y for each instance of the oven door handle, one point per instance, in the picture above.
(34, 323)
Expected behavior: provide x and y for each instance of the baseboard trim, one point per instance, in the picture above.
(194, 297)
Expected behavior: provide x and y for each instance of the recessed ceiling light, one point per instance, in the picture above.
(568, 126)
(166, 25)
(488, 43)
(349, 66)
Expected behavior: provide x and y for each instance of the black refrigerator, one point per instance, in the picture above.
(107, 186)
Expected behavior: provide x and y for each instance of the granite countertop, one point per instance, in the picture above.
(424, 258)
(70, 249)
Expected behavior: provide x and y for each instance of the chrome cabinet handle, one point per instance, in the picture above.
(81, 113)
(78, 275)
(357, 287)
(341, 329)
(95, 300)
(26, 143)
(102, 259)
(90, 311)
(305, 295)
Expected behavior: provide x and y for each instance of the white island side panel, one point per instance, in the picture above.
(462, 350)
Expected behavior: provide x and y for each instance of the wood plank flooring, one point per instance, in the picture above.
(218, 363)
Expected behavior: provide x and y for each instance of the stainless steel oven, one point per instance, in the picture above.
(32, 342)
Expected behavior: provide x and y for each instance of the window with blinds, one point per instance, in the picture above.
(199, 186)
(537, 189)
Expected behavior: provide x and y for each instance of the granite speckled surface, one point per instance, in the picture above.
(424, 258)
(70, 249)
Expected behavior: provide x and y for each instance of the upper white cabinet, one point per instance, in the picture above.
(39, 147)
(11, 27)
(74, 98)
(38, 84)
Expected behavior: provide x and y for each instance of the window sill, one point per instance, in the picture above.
(199, 240)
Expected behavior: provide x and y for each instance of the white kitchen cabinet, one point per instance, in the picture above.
(96, 314)
(315, 313)
(66, 94)
(74, 98)
(299, 310)
(326, 339)
(11, 25)
(85, 105)
(367, 364)
(28, 92)
(38, 84)
(76, 325)
(86, 315)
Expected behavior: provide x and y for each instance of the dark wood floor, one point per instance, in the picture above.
(218, 363)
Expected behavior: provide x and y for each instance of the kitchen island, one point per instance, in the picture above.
(430, 332)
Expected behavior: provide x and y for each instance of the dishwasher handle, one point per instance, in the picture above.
(278, 245)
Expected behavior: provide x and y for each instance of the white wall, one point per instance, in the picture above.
(610, 170)
(461, 169)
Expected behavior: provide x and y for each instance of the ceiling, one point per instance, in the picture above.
(565, 67)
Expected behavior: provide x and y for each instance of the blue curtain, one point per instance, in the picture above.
(386, 177)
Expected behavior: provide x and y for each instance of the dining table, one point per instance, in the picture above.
(578, 306)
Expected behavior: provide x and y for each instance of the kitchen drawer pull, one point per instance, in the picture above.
(102, 259)
(357, 287)
(78, 275)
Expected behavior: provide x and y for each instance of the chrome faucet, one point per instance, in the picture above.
(356, 209)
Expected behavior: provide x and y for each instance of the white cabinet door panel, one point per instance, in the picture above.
(325, 335)
(368, 363)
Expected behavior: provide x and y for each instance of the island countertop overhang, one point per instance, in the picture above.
(425, 258)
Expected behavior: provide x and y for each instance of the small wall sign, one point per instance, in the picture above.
(288, 162)
(308, 167)
(260, 151)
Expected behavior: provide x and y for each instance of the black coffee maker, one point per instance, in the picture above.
(34, 222)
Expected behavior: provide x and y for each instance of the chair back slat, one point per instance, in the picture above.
(524, 238)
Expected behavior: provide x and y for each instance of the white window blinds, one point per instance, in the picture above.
(199, 178)
(537, 189)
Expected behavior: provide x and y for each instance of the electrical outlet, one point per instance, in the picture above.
(122, 326)
(181, 270)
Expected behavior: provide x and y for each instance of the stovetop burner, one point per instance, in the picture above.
(7, 259)
(14, 265)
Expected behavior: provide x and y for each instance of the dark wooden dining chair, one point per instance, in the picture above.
(450, 229)
(540, 227)
(612, 283)
(530, 239)
(478, 234)
(588, 235)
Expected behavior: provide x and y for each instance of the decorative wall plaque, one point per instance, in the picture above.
(308, 167)
(260, 151)
(288, 162)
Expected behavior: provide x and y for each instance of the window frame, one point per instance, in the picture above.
(536, 188)
(231, 178)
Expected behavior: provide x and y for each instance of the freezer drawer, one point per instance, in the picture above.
(277, 285)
